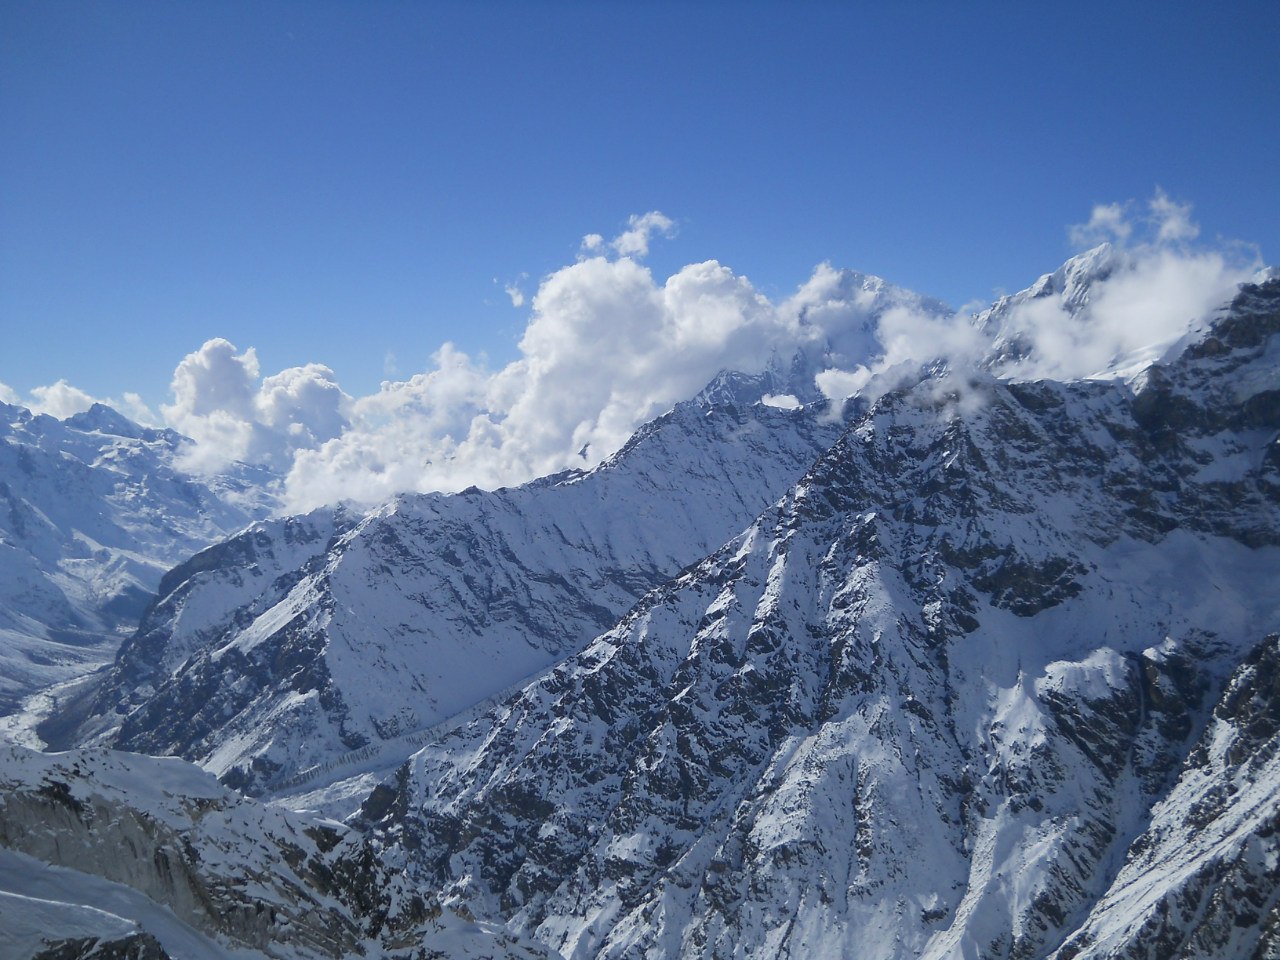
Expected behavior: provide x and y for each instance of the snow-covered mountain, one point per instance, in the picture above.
(990, 669)
(306, 645)
(996, 678)
(93, 511)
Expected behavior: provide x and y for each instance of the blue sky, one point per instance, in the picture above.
(355, 183)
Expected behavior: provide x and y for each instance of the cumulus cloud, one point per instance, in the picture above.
(607, 348)
(60, 400)
(220, 403)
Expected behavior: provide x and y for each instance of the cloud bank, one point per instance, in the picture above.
(608, 346)
(1107, 312)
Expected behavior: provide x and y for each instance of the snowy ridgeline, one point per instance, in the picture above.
(990, 673)
(312, 643)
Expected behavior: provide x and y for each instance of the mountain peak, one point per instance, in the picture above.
(101, 418)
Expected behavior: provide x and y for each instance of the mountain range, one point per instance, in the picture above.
(974, 665)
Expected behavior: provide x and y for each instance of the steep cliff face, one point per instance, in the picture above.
(939, 701)
(93, 511)
(106, 854)
(303, 645)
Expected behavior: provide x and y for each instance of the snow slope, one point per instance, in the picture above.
(113, 851)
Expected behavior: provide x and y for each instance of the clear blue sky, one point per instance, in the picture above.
(332, 181)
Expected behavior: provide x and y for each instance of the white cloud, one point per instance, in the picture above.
(608, 346)
(1153, 300)
(1166, 222)
(907, 337)
(1108, 222)
(1172, 220)
(1158, 289)
(62, 399)
(135, 408)
(1148, 297)
(220, 403)
(634, 241)
(514, 291)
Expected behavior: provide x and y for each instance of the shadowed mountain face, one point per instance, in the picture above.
(995, 678)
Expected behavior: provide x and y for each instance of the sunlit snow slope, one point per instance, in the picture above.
(306, 645)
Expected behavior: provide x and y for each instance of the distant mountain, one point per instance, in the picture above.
(996, 678)
(93, 511)
(307, 645)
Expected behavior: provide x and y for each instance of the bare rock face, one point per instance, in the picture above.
(1203, 880)
(985, 682)
(138, 946)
